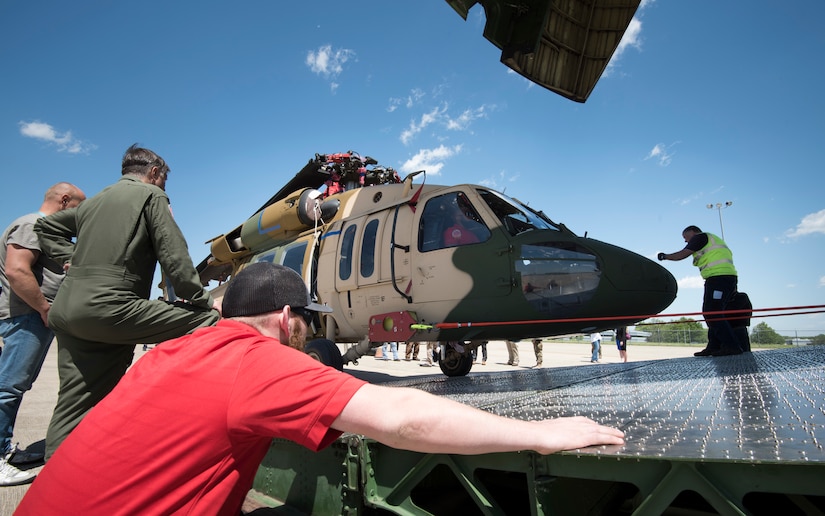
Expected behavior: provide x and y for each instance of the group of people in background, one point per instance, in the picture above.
(513, 352)
(622, 336)
(390, 349)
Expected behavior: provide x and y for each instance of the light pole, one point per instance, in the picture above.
(719, 207)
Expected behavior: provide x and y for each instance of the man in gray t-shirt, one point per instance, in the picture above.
(20, 234)
(28, 283)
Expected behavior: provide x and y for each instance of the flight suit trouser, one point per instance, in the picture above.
(512, 353)
(89, 370)
(537, 349)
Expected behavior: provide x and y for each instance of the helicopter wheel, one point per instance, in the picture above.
(326, 352)
(455, 363)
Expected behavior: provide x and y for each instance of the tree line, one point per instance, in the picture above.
(690, 331)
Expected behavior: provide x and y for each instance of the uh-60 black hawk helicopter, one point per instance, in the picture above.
(400, 260)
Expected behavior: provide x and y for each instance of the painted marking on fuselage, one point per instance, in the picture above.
(262, 231)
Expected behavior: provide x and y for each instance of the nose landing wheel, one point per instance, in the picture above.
(326, 352)
(454, 362)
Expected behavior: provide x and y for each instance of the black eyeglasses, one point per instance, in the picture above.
(303, 312)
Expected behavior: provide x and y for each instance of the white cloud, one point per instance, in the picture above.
(691, 282)
(65, 142)
(684, 201)
(393, 104)
(466, 118)
(632, 38)
(822, 281)
(496, 182)
(438, 115)
(702, 195)
(329, 63)
(413, 98)
(660, 153)
(527, 81)
(811, 223)
(409, 101)
(431, 160)
(426, 119)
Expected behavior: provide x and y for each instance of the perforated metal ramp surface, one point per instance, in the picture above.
(725, 435)
(765, 406)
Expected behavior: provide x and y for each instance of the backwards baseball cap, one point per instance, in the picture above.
(264, 287)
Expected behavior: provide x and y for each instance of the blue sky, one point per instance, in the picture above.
(704, 103)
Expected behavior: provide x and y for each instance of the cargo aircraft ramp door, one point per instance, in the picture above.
(729, 435)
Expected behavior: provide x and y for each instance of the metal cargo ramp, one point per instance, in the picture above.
(726, 435)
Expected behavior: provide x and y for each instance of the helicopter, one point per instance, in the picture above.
(404, 261)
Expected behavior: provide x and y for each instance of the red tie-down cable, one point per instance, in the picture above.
(745, 313)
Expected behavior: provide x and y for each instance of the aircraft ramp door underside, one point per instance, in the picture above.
(726, 435)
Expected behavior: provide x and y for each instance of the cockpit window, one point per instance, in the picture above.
(558, 278)
(292, 256)
(515, 218)
(450, 220)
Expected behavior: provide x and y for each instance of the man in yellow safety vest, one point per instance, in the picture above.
(715, 262)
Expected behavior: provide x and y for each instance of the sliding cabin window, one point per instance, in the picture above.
(368, 249)
(347, 248)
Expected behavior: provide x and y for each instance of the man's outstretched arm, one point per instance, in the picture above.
(678, 255)
(418, 421)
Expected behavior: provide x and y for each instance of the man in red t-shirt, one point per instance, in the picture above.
(187, 427)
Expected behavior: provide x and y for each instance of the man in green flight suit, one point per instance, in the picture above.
(110, 246)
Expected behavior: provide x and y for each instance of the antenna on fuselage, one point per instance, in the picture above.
(409, 179)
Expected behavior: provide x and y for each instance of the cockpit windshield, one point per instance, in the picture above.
(515, 217)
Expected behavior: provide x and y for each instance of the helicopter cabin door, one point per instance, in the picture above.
(373, 261)
(458, 257)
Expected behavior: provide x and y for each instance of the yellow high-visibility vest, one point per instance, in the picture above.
(715, 259)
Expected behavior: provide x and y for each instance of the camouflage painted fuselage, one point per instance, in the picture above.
(457, 254)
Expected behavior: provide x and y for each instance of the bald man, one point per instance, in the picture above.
(29, 283)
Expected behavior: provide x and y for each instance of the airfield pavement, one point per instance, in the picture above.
(36, 409)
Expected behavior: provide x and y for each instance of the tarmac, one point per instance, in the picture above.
(36, 408)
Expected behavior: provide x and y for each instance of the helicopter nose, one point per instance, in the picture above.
(648, 287)
(590, 278)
